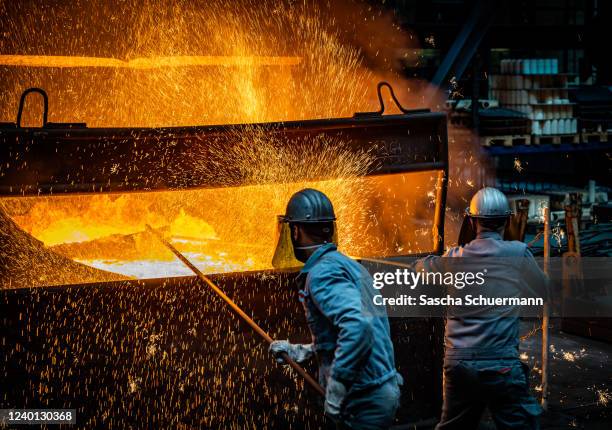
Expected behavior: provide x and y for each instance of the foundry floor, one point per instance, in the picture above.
(580, 380)
(580, 394)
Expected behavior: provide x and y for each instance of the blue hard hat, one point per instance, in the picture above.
(309, 206)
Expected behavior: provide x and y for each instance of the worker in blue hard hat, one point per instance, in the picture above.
(482, 368)
(350, 339)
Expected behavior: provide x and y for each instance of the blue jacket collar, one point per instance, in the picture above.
(324, 249)
(489, 235)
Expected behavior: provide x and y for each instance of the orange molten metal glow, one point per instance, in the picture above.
(206, 62)
(225, 229)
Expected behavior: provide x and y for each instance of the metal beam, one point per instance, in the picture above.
(466, 43)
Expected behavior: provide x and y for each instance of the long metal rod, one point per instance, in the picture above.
(385, 262)
(545, 313)
(438, 226)
(145, 63)
(309, 379)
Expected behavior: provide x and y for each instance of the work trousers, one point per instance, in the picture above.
(373, 408)
(502, 385)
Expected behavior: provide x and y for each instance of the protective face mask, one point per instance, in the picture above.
(301, 252)
(289, 254)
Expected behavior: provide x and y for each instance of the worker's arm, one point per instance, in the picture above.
(435, 263)
(430, 263)
(338, 297)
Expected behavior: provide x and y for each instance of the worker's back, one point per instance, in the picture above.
(510, 271)
(482, 368)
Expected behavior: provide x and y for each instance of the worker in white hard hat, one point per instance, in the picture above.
(482, 368)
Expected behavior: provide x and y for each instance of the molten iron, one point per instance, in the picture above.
(94, 188)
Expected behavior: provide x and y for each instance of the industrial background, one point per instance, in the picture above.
(201, 118)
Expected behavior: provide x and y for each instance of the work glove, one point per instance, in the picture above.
(334, 398)
(297, 352)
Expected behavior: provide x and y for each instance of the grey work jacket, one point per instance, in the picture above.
(496, 334)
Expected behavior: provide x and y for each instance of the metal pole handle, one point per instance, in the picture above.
(309, 379)
(545, 313)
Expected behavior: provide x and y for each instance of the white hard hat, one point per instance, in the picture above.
(489, 203)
